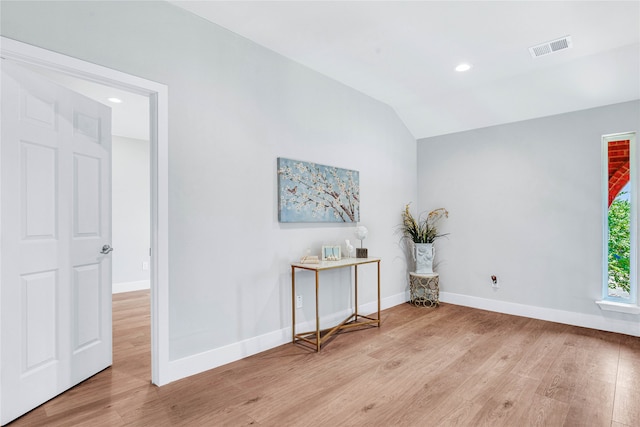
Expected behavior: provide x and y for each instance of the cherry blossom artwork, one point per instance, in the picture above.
(308, 192)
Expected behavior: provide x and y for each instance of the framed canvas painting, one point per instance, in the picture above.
(309, 192)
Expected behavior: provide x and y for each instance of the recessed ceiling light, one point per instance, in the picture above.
(463, 67)
(115, 100)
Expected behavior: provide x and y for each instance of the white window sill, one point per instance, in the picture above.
(618, 307)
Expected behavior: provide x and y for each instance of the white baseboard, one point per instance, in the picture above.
(606, 321)
(207, 360)
(204, 361)
(198, 363)
(140, 285)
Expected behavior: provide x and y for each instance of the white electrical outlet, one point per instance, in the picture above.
(145, 265)
(298, 301)
(494, 282)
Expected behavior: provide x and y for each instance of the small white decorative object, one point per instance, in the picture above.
(350, 248)
(361, 234)
(309, 259)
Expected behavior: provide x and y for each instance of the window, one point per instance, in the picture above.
(620, 209)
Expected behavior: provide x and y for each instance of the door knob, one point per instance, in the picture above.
(106, 249)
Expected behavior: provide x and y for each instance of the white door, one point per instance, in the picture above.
(55, 218)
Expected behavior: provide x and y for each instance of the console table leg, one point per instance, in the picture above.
(356, 286)
(293, 304)
(317, 315)
(378, 293)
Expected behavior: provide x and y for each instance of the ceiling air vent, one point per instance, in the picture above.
(550, 47)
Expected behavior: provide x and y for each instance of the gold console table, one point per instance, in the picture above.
(318, 337)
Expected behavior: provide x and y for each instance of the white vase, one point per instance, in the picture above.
(423, 255)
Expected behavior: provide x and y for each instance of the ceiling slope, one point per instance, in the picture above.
(404, 53)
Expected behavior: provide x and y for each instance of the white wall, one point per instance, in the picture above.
(525, 203)
(234, 107)
(130, 213)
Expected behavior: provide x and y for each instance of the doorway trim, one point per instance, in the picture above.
(159, 167)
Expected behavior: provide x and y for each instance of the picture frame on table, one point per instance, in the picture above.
(331, 253)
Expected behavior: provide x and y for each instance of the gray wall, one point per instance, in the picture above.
(234, 107)
(130, 207)
(525, 203)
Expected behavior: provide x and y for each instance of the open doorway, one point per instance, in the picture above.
(131, 183)
(156, 104)
(131, 222)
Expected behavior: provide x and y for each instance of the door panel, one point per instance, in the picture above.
(38, 191)
(86, 298)
(39, 310)
(55, 290)
(38, 111)
(86, 198)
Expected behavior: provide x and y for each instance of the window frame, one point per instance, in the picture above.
(609, 302)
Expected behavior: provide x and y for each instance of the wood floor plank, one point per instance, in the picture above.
(542, 411)
(490, 374)
(502, 408)
(562, 378)
(592, 403)
(461, 414)
(444, 366)
(544, 350)
(630, 347)
(628, 372)
(626, 407)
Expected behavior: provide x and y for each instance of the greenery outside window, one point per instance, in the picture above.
(620, 210)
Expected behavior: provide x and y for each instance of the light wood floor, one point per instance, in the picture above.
(424, 367)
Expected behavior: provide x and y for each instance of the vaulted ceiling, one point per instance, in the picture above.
(404, 53)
